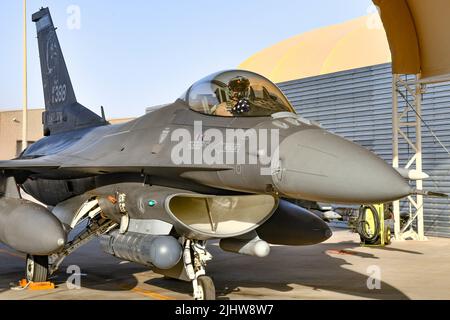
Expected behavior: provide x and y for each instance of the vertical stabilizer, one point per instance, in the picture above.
(62, 111)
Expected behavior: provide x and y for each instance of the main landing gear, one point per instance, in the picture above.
(39, 268)
(36, 268)
(195, 257)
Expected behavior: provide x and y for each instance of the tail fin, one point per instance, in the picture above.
(62, 111)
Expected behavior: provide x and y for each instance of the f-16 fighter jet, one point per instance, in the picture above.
(217, 164)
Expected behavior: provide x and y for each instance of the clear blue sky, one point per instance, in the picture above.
(128, 55)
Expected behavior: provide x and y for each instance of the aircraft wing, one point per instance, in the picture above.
(42, 165)
(28, 165)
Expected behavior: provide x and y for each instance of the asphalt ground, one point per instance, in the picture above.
(337, 269)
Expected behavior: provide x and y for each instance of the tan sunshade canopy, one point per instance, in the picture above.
(418, 32)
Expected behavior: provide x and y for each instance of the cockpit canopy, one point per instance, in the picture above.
(236, 94)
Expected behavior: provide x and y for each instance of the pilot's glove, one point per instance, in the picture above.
(242, 106)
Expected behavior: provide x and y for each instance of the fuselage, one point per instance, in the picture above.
(306, 163)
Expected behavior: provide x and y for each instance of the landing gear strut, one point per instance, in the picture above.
(95, 228)
(195, 257)
(39, 268)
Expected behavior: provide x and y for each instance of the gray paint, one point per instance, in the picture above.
(150, 226)
(163, 252)
(356, 104)
(324, 167)
(292, 225)
(252, 246)
(30, 228)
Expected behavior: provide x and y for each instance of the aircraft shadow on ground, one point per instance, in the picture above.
(321, 268)
(319, 271)
(104, 279)
(11, 268)
(288, 268)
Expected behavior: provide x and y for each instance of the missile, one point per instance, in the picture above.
(252, 247)
(30, 228)
(327, 215)
(331, 215)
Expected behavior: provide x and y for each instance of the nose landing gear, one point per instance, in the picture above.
(195, 257)
(206, 289)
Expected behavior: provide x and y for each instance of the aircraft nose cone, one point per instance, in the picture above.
(316, 165)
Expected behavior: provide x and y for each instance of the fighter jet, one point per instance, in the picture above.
(217, 164)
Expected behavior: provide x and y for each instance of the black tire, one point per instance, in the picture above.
(36, 268)
(388, 236)
(208, 288)
(361, 226)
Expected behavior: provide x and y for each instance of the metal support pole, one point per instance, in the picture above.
(395, 152)
(419, 167)
(25, 81)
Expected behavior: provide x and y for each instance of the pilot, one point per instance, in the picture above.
(238, 90)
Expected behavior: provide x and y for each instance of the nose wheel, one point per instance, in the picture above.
(205, 288)
(195, 257)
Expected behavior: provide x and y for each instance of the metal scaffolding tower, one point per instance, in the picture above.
(407, 100)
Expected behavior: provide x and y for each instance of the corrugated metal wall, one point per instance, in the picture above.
(357, 104)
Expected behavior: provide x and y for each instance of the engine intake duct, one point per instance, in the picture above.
(163, 252)
(204, 217)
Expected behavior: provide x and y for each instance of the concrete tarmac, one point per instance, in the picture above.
(336, 269)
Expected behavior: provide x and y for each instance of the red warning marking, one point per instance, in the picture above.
(341, 252)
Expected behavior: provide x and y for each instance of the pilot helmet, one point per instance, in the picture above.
(239, 84)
